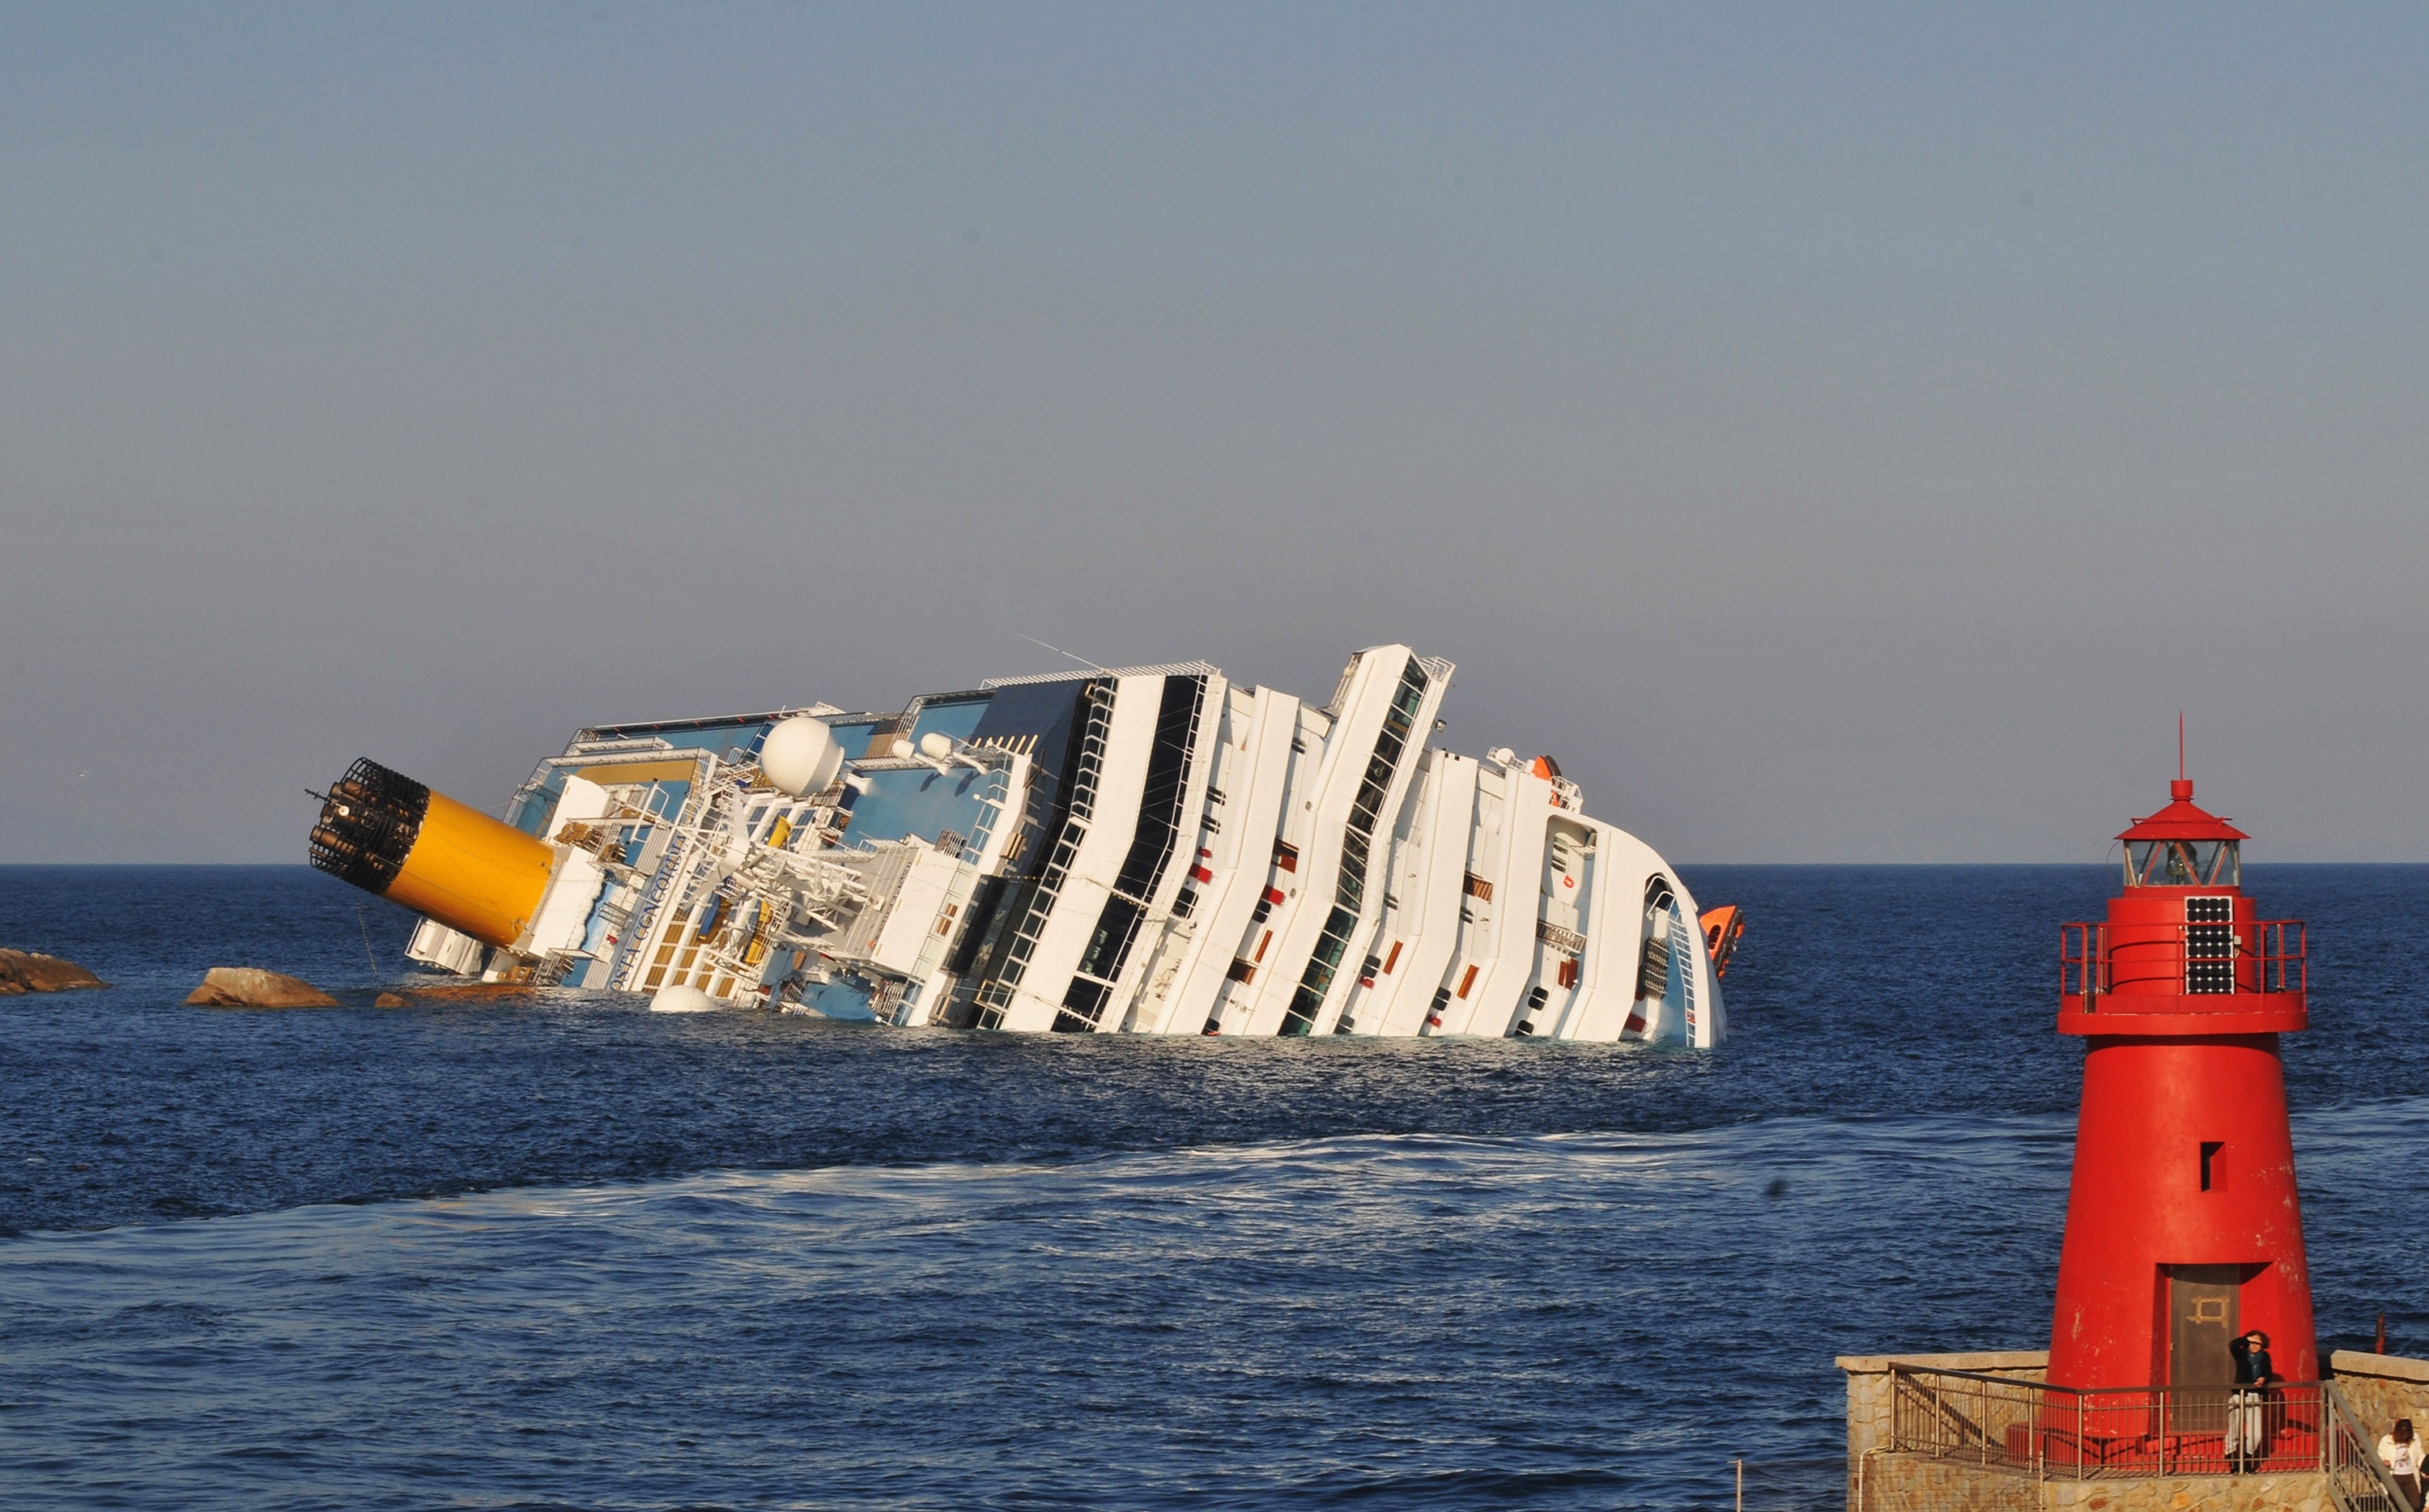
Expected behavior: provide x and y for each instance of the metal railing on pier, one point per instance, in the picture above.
(2048, 1432)
(1816, 1484)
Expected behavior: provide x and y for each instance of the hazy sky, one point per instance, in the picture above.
(1836, 432)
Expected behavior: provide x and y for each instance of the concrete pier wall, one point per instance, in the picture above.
(2383, 1388)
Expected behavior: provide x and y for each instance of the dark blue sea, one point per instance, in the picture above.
(557, 1252)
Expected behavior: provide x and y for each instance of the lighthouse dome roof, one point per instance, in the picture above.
(2182, 820)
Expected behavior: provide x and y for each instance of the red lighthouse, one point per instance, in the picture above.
(2184, 1230)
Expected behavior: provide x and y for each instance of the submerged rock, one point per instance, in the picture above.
(390, 1000)
(25, 971)
(251, 987)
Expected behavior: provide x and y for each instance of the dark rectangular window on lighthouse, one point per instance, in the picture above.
(2213, 1175)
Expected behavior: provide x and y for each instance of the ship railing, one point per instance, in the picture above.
(2270, 956)
(669, 886)
(678, 883)
(2029, 1428)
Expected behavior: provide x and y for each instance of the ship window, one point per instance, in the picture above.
(1658, 896)
(1164, 792)
(980, 916)
(1083, 1004)
(1108, 946)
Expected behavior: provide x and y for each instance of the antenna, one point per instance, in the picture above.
(1059, 651)
(2180, 745)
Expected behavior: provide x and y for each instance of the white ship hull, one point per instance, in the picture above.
(1142, 850)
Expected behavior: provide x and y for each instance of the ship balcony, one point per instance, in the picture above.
(2250, 977)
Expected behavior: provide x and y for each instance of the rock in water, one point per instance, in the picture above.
(23, 971)
(251, 987)
(390, 1000)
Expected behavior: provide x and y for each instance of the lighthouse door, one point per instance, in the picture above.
(2203, 1318)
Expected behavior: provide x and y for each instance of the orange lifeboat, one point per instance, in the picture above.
(1722, 928)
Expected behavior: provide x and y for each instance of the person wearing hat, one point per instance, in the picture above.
(2246, 1425)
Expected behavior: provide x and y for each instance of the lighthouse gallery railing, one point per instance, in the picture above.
(2274, 958)
(2060, 1432)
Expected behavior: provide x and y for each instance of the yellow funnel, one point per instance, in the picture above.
(389, 834)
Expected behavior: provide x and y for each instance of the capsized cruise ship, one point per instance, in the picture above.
(1146, 849)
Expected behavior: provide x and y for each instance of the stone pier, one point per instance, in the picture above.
(2380, 1388)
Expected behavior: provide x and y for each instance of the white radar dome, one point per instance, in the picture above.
(800, 756)
(673, 999)
(936, 745)
(901, 751)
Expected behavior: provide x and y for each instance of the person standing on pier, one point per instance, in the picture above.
(2400, 1451)
(2246, 1431)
